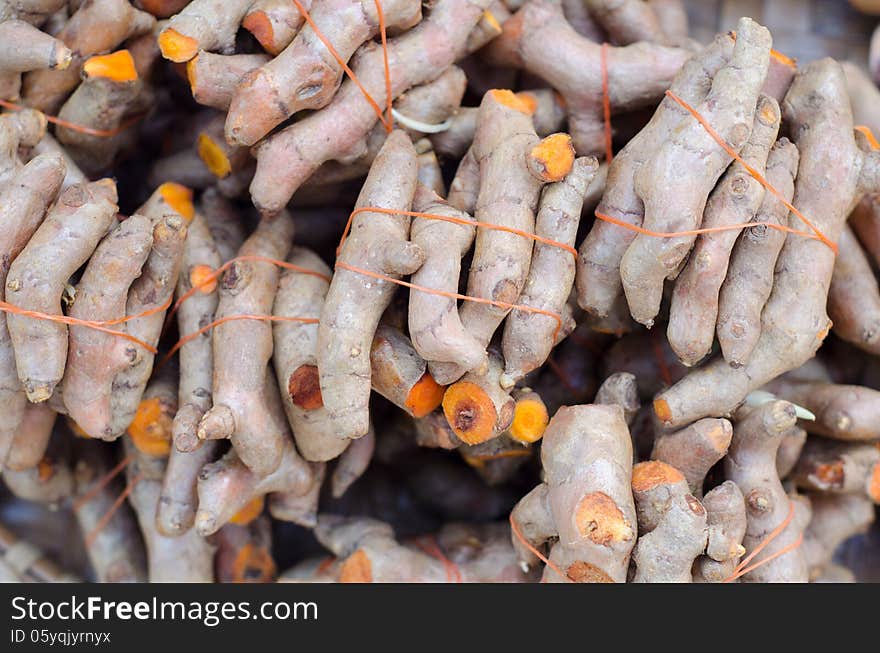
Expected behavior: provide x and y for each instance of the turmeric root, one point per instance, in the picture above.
(67, 237)
(115, 548)
(793, 323)
(239, 401)
(835, 518)
(839, 467)
(529, 337)
(459, 553)
(400, 375)
(23, 48)
(202, 25)
(672, 524)
(213, 78)
(539, 39)
(736, 199)
(585, 500)
(377, 243)
(22, 129)
(49, 482)
(694, 449)
(477, 407)
(790, 450)
(854, 295)
(749, 280)
(726, 526)
(302, 146)
(31, 11)
(751, 464)
(352, 464)
(226, 486)
(110, 86)
(32, 437)
(274, 23)
(23, 204)
(96, 27)
(305, 75)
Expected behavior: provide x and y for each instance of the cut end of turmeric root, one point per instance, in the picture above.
(584, 572)
(599, 518)
(470, 412)
(250, 512)
(356, 568)
(425, 396)
(874, 484)
(117, 67)
(260, 26)
(214, 157)
(304, 388)
(253, 564)
(551, 159)
(513, 101)
(179, 198)
(176, 47)
(150, 429)
(191, 71)
(203, 278)
(662, 410)
(530, 420)
(653, 473)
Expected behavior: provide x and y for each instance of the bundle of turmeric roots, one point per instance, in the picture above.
(466, 290)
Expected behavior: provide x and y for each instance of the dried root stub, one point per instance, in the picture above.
(751, 464)
(378, 244)
(540, 40)
(585, 502)
(672, 524)
(369, 553)
(839, 467)
(793, 322)
(240, 399)
(477, 407)
(23, 47)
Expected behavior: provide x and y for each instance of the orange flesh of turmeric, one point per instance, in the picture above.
(470, 412)
(177, 47)
(150, 429)
(425, 396)
(179, 198)
(117, 67)
(249, 513)
(530, 420)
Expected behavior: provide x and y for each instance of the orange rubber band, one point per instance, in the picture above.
(83, 129)
(107, 516)
(100, 484)
(535, 551)
(429, 545)
(742, 568)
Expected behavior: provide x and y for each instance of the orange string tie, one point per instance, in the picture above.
(387, 122)
(105, 519)
(429, 545)
(743, 567)
(606, 102)
(97, 325)
(100, 484)
(83, 129)
(535, 551)
(215, 274)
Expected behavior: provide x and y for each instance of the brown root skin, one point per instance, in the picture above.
(835, 518)
(864, 96)
(295, 357)
(726, 525)
(840, 468)
(620, 389)
(49, 482)
(585, 500)
(400, 375)
(50, 146)
(185, 558)
(369, 553)
(34, 12)
(116, 551)
(672, 525)
(305, 75)
(539, 39)
(23, 205)
(241, 394)
(790, 450)
(598, 273)
(202, 25)
(736, 199)
(477, 407)
(162, 8)
(854, 296)
(20, 129)
(23, 47)
(96, 27)
(794, 322)
(67, 236)
(275, 23)
(226, 486)
(32, 437)
(843, 412)
(529, 337)
(670, 203)
(751, 270)
(751, 464)
(352, 464)
(213, 78)
(349, 116)
(355, 302)
(694, 449)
